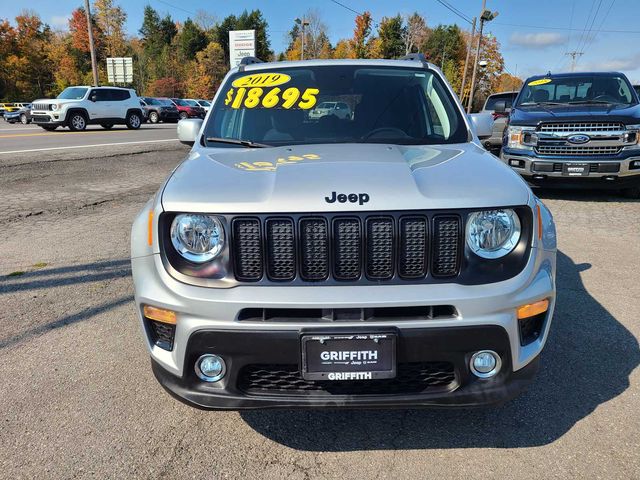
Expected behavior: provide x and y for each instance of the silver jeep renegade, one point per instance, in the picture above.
(377, 259)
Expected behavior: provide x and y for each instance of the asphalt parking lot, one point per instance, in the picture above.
(79, 399)
(17, 138)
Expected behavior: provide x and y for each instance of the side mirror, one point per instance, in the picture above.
(481, 124)
(188, 130)
(501, 107)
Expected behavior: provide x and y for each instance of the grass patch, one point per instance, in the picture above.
(16, 274)
(40, 265)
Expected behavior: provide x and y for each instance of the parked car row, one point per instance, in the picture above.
(79, 106)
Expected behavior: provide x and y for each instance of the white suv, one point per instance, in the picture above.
(77, 107)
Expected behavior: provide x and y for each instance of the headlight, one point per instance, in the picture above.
(632, 137)
(198, 238)
(521, 138)
(493, 233)
(54, 106)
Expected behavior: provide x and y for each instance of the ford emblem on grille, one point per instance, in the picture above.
(578, 139)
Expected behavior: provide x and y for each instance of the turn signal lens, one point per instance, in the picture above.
(533, 309)
(159, 314)
(539, 222)
(150, 227)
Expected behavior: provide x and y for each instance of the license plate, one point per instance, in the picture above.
(349, 357)
(575, 169)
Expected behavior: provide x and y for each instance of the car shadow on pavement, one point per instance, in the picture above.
(62, 276)
(586, 362)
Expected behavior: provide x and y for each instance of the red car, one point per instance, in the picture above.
(188, 108)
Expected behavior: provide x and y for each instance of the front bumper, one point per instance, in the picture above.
(47, 118)
(278, 387)
(208, 318)
(620, 171)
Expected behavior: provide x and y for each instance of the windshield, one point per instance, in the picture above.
(610, 89)
(191, 103)
(180, 102)
(72, 93)
(165, 101)
(151, 101)
(382, 105)
(204, 103)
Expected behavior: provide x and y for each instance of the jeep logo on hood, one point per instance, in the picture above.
(578, 139)
(360, 198)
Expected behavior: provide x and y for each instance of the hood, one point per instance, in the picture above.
(313, 178)
(532, 116)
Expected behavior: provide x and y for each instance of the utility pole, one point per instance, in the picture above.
(573, 56)
(302, 24)
(94, 65)
(466, 61)
(485, 16)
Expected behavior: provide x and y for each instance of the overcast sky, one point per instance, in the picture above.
(535, 35)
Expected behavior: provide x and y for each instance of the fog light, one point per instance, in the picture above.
(210, 368)
(485, 364)
(635, 164)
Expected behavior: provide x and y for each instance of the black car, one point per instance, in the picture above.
(576, 129)
(160, 110)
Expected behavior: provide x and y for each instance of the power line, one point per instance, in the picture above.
(455, 10)
(177, 8)
(546, 27)
(599, 29)
(593, 21)
(347, 7)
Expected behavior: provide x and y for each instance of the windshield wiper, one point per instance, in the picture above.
(236, 141)
(603, 102)
(529, 104)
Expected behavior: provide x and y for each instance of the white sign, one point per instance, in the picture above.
(242, 43)
(120, 69)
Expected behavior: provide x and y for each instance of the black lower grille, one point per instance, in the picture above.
(412, 378)
(162, 334)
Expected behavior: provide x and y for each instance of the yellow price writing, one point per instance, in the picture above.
(256, 97)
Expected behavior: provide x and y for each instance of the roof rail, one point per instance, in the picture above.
(416, 57)
(250, 61)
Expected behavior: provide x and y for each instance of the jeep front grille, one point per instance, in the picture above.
(346, 248)
(580, 127)
(40, 106)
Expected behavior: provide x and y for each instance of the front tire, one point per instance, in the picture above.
(183, 115)
(77, 122)
(133, 121)
(23, 119)
(154, 117)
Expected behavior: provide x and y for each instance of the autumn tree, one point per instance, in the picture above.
(191, 40)
(507, 83)
(361, 35)
(208, 73)
(415, 33)
(391, 33)
(110, 18)
(344, 49)
(488, 76)
(445, 47)
(29, 67)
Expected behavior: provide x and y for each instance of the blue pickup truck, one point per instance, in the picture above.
(578, 129)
